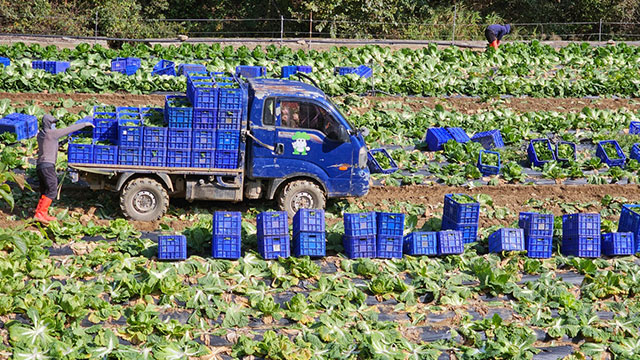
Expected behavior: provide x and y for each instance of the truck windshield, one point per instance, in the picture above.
(341, 113)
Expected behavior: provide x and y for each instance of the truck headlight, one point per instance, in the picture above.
(362, 157)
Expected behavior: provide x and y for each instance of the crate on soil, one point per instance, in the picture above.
(172, 247)
(205, 119)
(506, 239)
(421, 243)
(5, 61)
(164, 67)
(226, 159)
(469, 231)
(610, 153)
(53, 67)
(289, 70)
(630, 222)
(389, 224)
(127, 66)
(458, 134)
(178, 112)
(486, 161)
(80, 153)
(226, 246)
(309, 220)
(359, 246)
(312, 244)
(179, 138)
(375, 156)
(540, 152)
(204, 139)
(450, 242)
(436, 138)
(229, 119)
(203, 158)
(251, 71)
(569, 154)
(178, 157)
(227, 139)
(227, 223)
(388, 246)
(581, 225)
(360, 224)
(272, 223)
(130, 156)
(539, 247)
(489, 139)
(105, 154)
(536, 225)
(581, 245)
(461, 208)
(620, 243)
(154, 157)
(154, 137)
(635, 152)
(634, 128)
(274, 246)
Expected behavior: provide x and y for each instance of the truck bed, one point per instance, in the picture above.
(152, 169)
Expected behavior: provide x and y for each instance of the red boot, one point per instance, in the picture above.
(42, 211)
(494, 44)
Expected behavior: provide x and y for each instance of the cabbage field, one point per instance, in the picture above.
(90, 286)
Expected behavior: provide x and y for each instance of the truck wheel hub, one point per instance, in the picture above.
(144, 201)
(302, 200)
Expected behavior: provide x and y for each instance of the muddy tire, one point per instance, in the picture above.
(301, 194)
(144, 199)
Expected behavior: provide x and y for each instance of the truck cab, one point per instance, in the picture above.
(295, 146)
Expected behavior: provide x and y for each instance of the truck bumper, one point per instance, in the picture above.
(361, 182)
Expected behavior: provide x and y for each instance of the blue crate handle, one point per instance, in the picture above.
(374, 165)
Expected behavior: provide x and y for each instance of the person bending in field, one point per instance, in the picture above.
(495, 32)
(48, 137)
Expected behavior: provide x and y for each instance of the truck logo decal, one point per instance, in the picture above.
(300, 143)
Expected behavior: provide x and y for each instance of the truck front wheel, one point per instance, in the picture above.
(301, 194)
(144, 199)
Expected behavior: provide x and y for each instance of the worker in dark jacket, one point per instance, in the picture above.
(48, 137)
(495, 32)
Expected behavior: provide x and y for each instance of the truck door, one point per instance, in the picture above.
(306, 139)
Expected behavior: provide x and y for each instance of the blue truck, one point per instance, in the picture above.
(296, 147)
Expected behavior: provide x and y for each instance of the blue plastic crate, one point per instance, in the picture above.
(344, 70)
(251, 71)
(229, 119)
(488, 170)
(359, 246)
(124, 117)
(226, 246)
(129, 136)
(272, 223)
(308, 220)
(227, 140)
(148, 111)
(203, 159)
(489, 139)
(581, 225)
(436, 138)
(312, 244)
(130, 156)
(53, 67)
(421, 243)
(557, 154)
(5, 61)
(230, 98)
(360, 224)
(23, 126)
(467, 213)
(506, 240)
(127, 66)
(620, 243)
(375, 167)
(634, 128)
(80, 153)
(450, 242)
(104, 109)
(458, 134)
(274, 246)
(469, 231)
(37, 64)
(581, 246)
(205, 119)
(307, 69)
(227, 223)
(184, 69)
(536, 225)
(105, 154)
(389, 224)
(154, 137)
(204, 139)
(179, 138)
(178, 116)
(364, 71)
(289, 70)
(105, 129)
(533, 156)
(164, 67)
(203, 95)
(635, 152)
(620, 161)
(388, 246)
(178, 157)
(128, 109)
(538, 246)
(172, 247)
(154, 157)
(226, 159)
(630, 222)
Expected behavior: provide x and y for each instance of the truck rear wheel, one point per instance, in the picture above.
(144, 199)
(301, 194)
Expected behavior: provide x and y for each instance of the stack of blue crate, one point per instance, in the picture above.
(581, 235)
(389, 232)
(538, 233)
(630, 222)
(227, 231)
(273, 234)
(309, 237)
(461, 216)
(359, 239)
